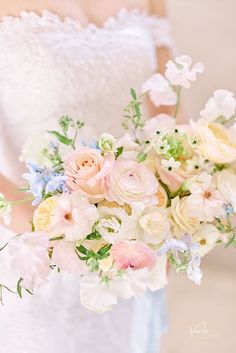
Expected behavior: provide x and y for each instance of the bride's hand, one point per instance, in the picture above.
(22, 213)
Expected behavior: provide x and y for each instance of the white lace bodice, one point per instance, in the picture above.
(50, 67)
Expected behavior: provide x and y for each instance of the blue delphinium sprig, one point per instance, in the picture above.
(44, 182)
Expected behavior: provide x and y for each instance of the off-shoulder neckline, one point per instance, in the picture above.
(49, 16)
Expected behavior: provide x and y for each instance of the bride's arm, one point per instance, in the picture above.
(158, 8)
(22, 213)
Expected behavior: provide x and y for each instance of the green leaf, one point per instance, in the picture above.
(230, 242)
(82, 249)
(104, 249)
(133, 94)
(141, 157)
(18, 287)
(29, 292)
(119, 151)
(63, 139)
(94, 236)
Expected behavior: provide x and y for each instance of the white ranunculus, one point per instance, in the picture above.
(131, 181)
(221, 104)
(206, 236)
(115, 224)
(215, 142)
(184, 221)
(180, 73)
(226, 184)
(160, 90)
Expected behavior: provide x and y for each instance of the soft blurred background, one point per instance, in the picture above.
(203, 319)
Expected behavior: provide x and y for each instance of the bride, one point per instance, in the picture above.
(77, 58)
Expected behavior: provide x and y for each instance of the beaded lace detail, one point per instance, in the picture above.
(48, 68)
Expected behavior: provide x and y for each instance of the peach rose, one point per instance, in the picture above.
(86, 170)
(134, 255)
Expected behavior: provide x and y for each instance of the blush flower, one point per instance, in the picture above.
(131, 181)
(73, 216)
(29, 256)
(134, 255)
(205, 202)
(86, 170)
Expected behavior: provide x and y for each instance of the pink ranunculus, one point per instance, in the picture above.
(134, 255)
(86, 170)
(131, 181)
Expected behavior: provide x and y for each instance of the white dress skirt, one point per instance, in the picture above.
(50, 68)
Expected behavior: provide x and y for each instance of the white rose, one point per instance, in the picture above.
(155, 225)
(226, 184)
(182, 217)
(215, 142)
(206, 236)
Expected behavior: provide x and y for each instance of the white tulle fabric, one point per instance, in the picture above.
(50, 68)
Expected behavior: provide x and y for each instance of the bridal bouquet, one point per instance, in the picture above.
(113, 211)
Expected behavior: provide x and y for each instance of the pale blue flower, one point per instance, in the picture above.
(183, 256)
(43, 181)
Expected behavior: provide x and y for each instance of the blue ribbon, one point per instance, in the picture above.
(150, 322)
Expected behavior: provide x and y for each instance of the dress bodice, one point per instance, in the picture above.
(50, 68)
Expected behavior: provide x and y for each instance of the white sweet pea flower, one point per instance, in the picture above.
(226, 184)
(222, 104)
(107, 142)
(5, 209)
(180, 73)
(101, 296)
(207, 236)
(160, 91)
(170, 164)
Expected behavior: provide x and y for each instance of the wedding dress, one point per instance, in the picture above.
(50, 68)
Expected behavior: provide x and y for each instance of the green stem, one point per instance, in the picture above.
(19, 202)
(75, 138)
(178, 91)
(231, 120)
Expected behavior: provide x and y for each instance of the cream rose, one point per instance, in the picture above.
(215, 142)
(131, 181)
(86, 170)
(155, 225)
(183, 220)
